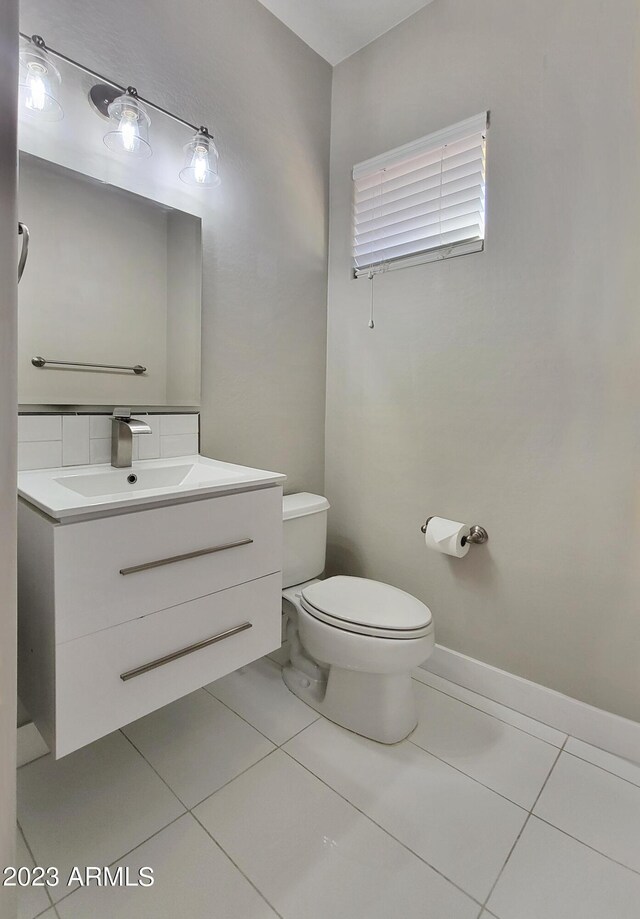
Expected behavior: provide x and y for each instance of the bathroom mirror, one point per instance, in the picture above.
(114, 270)
(112, 278)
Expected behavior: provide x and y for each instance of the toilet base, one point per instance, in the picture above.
(379, 706)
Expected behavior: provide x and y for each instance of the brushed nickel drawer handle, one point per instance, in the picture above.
(175, 655)
(181, 558)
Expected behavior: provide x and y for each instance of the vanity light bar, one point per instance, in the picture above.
(39, 42)
(101, 103)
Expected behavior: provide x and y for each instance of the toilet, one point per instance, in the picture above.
(353, 642)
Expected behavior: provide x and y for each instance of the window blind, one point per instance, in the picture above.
(424, 198)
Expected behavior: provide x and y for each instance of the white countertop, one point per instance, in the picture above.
(79, 491)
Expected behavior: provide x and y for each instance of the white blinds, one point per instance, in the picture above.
(423, 196)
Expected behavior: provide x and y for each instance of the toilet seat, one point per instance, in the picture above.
(367, 607)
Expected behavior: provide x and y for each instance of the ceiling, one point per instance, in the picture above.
(338, 28)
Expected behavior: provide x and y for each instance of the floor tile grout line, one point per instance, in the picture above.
(387, 832)
(544, 784)
(506, 861)
(229, 781)
(127, 853)
(575, 838)
(471, 777)
(602, 768)
(164, 781)
(35, 759)
(278, 745)
(187, 810)
(33, 859)
(234, 863)
(281, 747)
(524, 826)
(561, 747)
(43, 911)
(483, 906)
(241, 717)
(301, 731)
(495, 702)
(461, 889)
(501, 720)
(586, 845)
(206, 797)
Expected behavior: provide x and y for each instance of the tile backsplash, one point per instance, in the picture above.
(45, 441)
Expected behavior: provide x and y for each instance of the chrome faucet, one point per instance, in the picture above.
(123, 427)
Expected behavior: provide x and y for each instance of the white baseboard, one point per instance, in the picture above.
(30, 744)
(593, 725)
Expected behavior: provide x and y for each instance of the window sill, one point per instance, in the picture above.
(432, 255)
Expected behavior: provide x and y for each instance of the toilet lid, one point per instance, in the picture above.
(366, 604)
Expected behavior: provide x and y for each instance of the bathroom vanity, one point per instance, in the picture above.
(134, 593)
(137, 585)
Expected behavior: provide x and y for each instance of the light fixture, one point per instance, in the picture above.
(39, 81)
(130, 132)
(126, 113)
(201, 161)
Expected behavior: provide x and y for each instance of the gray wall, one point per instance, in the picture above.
(502, 388)
(8, 439)
(267, 98)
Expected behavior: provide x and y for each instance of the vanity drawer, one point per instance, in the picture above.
(115, 569)
(92, 699)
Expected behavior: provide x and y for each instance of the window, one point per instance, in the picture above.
(422, 201)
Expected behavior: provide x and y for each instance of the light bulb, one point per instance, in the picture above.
(129, 129)
(130, 120)
(36, 90)
(201, 161)
(200, 164)
(39, 82)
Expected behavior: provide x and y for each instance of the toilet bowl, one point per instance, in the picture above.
(353, 642)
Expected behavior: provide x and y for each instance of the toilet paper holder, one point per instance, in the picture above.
(477, 534)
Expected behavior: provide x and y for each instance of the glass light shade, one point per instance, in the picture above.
(201, 162)
(130, 131)
(39, 84)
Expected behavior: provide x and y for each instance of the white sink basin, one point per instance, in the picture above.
(123, 481)
(86, 490)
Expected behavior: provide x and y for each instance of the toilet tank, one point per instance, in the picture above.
(304, 525)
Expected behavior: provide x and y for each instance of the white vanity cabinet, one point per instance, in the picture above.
(121, 614)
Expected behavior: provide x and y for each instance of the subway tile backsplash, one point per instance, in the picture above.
(100, 450)
(45, 441)
(39, 454)
(178, 424)
(149, 444)
(39, 428)
(178, 444)
(75, 440)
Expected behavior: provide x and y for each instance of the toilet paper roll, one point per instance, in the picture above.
(446, 536)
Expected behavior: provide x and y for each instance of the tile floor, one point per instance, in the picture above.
(247, 805)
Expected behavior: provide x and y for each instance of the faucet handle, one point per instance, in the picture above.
(123, 414)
